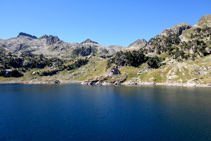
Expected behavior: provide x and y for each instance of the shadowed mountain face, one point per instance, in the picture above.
(27, 35)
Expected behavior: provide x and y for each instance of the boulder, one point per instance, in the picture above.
(114, 71)
(57, 82)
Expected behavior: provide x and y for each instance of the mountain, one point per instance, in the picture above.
(180, 55)
(27, 35)
(140, 43)
(52, 46)
(89, 41)
(204, 21)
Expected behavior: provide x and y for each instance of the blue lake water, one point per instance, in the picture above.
(76, 112)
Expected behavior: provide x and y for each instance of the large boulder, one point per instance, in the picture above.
(114, 71)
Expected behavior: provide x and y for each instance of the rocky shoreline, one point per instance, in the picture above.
(128, 83)
(131, 83)
(41, 82)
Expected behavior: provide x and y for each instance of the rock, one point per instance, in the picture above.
(57, 82)
(146, 83)
(152, 79)
(84, 83)
(117, 83)
(114, 71)
(98, 83)
(173, 77)
(34, 72)
(192, 82)
(107, 83)
(177, 29)
(50, 39)
(93, 82)
(129, 83)
(209, 85)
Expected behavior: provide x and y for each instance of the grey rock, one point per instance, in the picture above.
(50, 39)
(57, 82)
(129, 83)
(114, 71)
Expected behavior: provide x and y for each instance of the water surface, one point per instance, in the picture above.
(76, 112)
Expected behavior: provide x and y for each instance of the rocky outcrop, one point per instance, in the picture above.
(50, 39)
(114, 71)
(57, 82)
(177, 29)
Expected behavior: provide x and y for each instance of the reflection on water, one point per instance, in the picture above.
(55, 112)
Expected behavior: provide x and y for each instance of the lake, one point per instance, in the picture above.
(76, 112)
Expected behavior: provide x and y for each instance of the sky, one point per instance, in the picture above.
(108, 22)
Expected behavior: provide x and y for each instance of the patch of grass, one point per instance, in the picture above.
(95, 67)
(129, 71)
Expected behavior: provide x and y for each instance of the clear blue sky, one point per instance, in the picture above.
(109, 22)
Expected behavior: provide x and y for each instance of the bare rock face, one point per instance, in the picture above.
(50, 39)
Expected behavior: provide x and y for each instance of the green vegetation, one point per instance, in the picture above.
(128, 58)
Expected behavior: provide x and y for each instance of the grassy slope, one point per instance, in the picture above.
(181, 72)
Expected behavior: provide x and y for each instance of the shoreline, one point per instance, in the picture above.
(129, 83)
(41, 82)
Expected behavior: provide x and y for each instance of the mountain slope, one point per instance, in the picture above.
(53, 46)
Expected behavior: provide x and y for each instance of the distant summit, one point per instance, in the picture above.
(89, 41)
(204, 20)
(50, 39)
(27, 35)
(139, 43)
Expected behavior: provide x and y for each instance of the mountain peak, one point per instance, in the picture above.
(139, 43)
(89, 41)
(50, 39)
(27, 35)
(206, 19)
